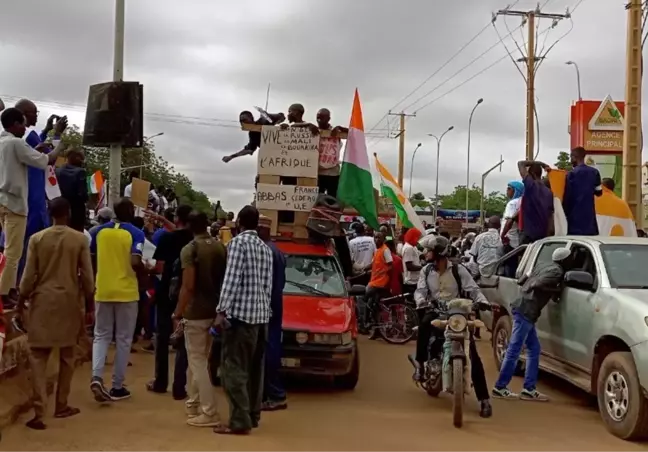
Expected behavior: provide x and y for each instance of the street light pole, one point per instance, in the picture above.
(578, 80)
(436, 190)
(481, 204)
(409, 196)
(118, 76)
(479, 101)
(146, 139)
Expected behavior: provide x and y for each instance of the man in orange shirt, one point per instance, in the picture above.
(381, 269)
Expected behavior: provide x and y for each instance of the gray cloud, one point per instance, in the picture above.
(206, 59)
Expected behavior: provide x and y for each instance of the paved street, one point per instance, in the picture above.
(385, 412)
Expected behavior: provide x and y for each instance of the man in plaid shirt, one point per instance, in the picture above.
(243, 314)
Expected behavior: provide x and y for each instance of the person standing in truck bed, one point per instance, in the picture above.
(254, 142)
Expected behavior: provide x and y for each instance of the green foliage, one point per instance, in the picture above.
(564, 161)
(156, 170)
(494, 202)
(419, 200)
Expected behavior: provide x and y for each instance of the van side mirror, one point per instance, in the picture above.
(357, 290)
(579, 280)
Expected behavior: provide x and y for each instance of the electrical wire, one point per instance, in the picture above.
(455, 55)
(502, 58)
(509, 53)
(454, 75)
(543, 57)
(179, 119)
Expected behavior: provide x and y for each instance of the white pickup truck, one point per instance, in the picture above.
(596, 334)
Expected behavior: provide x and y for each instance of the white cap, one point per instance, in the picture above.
(560, 254)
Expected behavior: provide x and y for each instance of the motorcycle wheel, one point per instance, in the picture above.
(458, 392)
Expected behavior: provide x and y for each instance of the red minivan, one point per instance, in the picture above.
(319, 318)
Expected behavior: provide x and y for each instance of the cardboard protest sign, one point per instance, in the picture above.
(293, 152)
(286, 197)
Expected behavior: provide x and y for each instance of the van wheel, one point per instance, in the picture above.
(349, 381)
(621, 402)
(501, 337)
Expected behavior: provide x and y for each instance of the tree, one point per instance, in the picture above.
(564, 161)
(494, 202)
(154, 169)
(419, 200)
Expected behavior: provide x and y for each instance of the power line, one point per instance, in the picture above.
(455, 74)
(179, 119)
(456, 54)
(502, 58)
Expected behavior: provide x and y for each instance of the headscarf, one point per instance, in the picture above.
(412, 236)
(518, 188)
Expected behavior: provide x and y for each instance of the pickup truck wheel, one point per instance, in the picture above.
(621, 402)
(349, 381)
(501, 338)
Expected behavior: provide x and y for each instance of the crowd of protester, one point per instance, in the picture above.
(213, 294)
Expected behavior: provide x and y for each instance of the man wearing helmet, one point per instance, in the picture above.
(543, 284)
(441, 281)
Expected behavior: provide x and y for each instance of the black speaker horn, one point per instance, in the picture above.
(115, 115)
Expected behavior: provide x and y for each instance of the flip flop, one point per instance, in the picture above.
(150, 386)
(36, 424)
(225, 430)
(68, 411)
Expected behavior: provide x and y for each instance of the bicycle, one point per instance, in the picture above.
(392, 319)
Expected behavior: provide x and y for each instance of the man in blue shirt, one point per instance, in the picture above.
(537, 202)
(274, 393)
(582, 184)
(37, 217)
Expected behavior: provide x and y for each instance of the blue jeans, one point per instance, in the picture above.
(123, 317)
(524, 333)
(273, 388)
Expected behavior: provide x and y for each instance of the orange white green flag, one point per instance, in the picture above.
(356, 185)
(95, 182)
(392, 191)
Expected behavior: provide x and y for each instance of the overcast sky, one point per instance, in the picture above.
(201, 59)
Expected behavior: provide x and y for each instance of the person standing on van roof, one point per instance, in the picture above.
(582, 184)
(254, 140)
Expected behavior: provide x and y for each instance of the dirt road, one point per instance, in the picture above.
(385, 412)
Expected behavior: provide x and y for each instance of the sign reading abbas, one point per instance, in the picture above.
(285, 197)
(292, 152)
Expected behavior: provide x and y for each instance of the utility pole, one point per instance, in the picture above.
(531, 60)
(632, 136)
(401, 145)
(118, 76)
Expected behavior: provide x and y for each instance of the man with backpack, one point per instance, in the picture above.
(441, 281)
(203, 263)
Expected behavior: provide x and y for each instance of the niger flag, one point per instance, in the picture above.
(613, 214)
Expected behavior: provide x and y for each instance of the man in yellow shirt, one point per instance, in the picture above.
(117, 249)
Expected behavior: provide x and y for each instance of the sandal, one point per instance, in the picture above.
(225, 430)
(36, 424)
(150, 386)
(68, 411)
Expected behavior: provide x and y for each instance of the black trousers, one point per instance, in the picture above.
(164, 327)
(328, 185)
(477, 373)
(242, 364)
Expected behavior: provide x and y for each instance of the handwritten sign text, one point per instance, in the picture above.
(286, 197)
(292, 152)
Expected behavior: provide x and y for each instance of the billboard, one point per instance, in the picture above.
(597, 126)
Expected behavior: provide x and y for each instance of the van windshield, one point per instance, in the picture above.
(313, 275)
(626, 265)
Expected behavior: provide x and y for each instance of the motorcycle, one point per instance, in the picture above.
(450, 372)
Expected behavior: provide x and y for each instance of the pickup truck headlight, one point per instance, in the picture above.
(331, 339)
